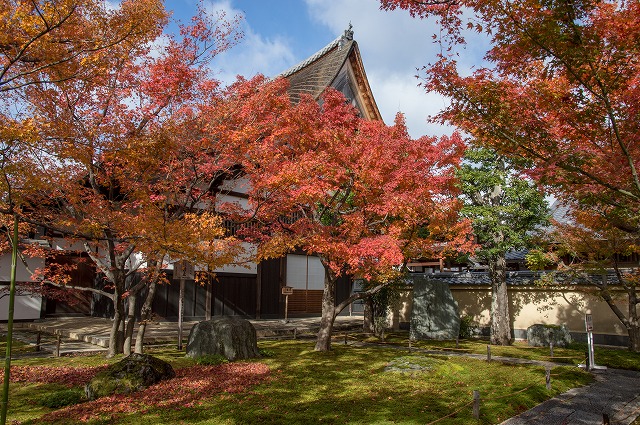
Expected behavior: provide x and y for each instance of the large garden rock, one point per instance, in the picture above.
(231, 337)
(435, 312)
(133, 373)
(541, 335)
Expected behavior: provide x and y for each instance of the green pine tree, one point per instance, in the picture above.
(505, 209)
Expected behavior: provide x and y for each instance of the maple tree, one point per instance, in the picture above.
(48, 42)
(560, 89)
(123, 166)
(45, 42)
(583, 258)
(505, 208)
(361, 196)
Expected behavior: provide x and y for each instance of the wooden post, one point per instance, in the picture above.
(38, 340)
(457, 342)
(547, 377)
(258, 291)
(207, 301)
(476, 404)
(286, 308)
(295, 333)
(345, 338)
(180, 313)
(551, 348)
(488, 353)
(57, 352)
(10, 312)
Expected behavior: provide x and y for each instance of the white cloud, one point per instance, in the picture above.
(254, 54)
(111, 5)
(158, 46)
(393, 46)
(399, 93)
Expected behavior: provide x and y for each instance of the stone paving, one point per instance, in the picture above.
(94, 331)
(615, 393)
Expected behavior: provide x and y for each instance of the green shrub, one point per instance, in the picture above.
(211, 360)
(62, 398)
(468, 327)
(266, 353)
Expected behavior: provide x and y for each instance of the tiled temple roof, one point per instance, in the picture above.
(514, 278)
(318, 72)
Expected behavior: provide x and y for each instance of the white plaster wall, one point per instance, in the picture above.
(244, 263)
(230, 199)
(26, 307)
(305, 272)
(240, 185)
(22, 275)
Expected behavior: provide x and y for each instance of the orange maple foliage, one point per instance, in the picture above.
(560, 89)
(117, 161)
(362, 196)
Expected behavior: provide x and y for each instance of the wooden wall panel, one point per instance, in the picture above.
(303, 301)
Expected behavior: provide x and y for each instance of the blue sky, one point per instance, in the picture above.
(280, 33)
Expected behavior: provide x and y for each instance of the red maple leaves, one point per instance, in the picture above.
(190, 386)
(67, 376)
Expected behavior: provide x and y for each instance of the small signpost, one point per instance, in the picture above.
(286, 291)
(591, 363)
(182, 270)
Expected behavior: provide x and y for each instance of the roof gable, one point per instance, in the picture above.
(337, 65)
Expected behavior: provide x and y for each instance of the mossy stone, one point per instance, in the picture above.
(133, 373)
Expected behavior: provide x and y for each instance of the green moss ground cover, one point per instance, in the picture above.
(17, 347)
(618, 358)
(296, 385)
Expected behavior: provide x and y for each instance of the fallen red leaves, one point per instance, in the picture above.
(188, 388)
(67, 376)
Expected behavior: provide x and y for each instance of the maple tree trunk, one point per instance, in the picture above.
(634, 338)
(323, 342)
(130, 324)
(115, 333)
(115, 336)
(367, 321)
(145, 316)
(633, 324)
(500, 326)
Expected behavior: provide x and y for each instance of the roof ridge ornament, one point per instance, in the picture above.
(348, 33)
(347, 36)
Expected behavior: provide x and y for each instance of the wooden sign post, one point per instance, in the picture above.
(286, 291)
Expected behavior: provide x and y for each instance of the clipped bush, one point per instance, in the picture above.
(264, 352)
(468, 328)
(62, 398)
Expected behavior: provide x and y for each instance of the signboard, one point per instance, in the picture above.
(183, 270)
(588, 321)
(287, 290)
